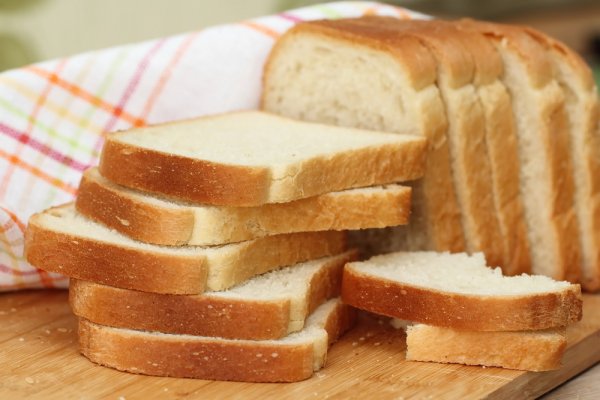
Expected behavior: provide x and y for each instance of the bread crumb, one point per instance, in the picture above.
(47, 331)
(29, 380)
(13, 310)
(402, 291)
(209, 307)
(195, 353)
(62, 330)
(362, 339)
(165, 389)
(2, 312)
(274, 355)
(121, 397)
(354, 343)
(377, 344)
(154, 364)
(21, 339)
(259, 355)
(123, 221)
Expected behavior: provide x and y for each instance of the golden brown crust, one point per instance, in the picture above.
(458, 311)
(530, 351)
(206, 358)
(201, 315)
(115, 207)
(141, 221)
(182, 177)
(82, 258)
(435, 192)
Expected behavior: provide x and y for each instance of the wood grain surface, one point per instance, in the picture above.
(39, 360)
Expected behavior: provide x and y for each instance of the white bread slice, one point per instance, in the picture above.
(60, 240)
(523, 350)
(252, 158)
(458, 291)
(386, 83)
(469, 163)
(546, 173)
(581, 102)
(157, 220)
(268, 306)
(503, 154)
(292, 358)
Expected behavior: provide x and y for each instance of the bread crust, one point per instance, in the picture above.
(203, 315)
(115, 207)
(460, 311)
(529, 351)
(205, 357)
(156, 270)
(433, 196)
(215, 183)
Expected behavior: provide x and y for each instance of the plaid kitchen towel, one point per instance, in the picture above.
(53, 115)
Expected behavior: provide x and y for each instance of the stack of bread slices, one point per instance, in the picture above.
(511, 118)
(214, 248)
(457, 310)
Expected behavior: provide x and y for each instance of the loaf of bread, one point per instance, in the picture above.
(458, 291)
(268, 306)
(60, 240)
(293, 358)
(253, 158)
(158, 220)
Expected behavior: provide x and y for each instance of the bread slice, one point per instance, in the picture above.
(268, 306)
(581, 102)
(546, 172)
(387, 83)
(458, 291)
(290, 359)
(524, 350)
(469, 162)
(253, 158)
(60, 240)
(157, 220)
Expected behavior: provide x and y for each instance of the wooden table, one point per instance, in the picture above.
(39, 360)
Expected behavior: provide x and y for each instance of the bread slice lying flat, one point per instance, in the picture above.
(293, 358)
(524, 350)
(547, 185)
(157, 220)
(387, 83)
(583, 110)
(268, 306)
(60, 240)
(253, 158)
(458, 291)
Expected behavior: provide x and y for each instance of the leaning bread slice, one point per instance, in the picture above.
(253, 158)
(582, 105)
(292, 358)
(60, 240)
(523, 350)
(268, 306)
(458, 291)
(546, 172)
(388, 83)
(157, 220)
(457, 72)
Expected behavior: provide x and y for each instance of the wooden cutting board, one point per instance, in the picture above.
(39, 359)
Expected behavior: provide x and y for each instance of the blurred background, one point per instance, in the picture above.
(35, 30)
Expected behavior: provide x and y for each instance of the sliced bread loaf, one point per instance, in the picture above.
(458, 291)
(157, 220)
(268, 306)
(253, 158)
(293, 358)
(60, 240)
(303, 79)
(546, 173)
(581, 102)
(524, 350)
